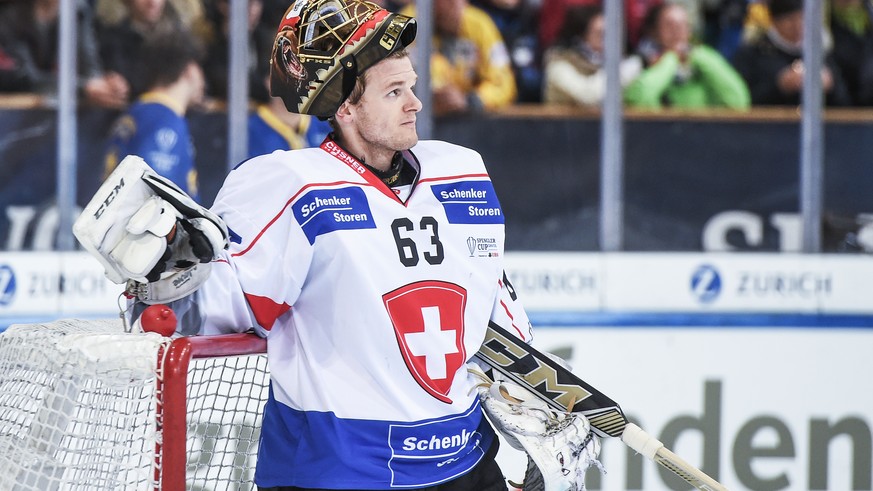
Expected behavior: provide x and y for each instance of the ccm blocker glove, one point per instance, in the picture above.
(148, 233)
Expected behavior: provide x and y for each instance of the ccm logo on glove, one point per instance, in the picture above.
(109, 199)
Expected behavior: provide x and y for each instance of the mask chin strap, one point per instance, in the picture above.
(350, 75)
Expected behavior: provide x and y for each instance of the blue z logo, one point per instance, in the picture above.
(706, 283)
(7, 285)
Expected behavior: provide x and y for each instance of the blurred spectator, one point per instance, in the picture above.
(574, 72)
(851, 26)
(517, 21)
(772, 65)
(395, 5)
(123, 34)
(29, 32)
(758, 21)
(723, 25)
(273, 10)
(273, 127)
(865, 94)
(470, 67)
(553, 12)
(696, 10)
(154, 127)
(679, 73)
(634, 17)
(189, 11)
(112, 12)
(217, 38)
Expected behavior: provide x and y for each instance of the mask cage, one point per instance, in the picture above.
(330, 25)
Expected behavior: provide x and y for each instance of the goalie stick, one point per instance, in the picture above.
(566, 392)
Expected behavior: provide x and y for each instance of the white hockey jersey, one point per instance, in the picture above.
(371, 307)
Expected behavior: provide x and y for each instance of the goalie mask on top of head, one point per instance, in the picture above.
(323, 45)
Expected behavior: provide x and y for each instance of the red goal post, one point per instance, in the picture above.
(86, 405)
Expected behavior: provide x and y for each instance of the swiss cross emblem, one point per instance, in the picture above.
(428, 319)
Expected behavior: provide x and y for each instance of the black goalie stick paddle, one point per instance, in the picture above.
(566, 392)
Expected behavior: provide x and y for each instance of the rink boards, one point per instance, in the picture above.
(755, 367)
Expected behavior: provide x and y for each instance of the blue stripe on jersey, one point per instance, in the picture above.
(322, 211)
(319, 450)
(469, 202)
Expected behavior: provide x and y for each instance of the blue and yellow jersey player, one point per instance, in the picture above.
(272, 127)
(269, 131)
(154, 127)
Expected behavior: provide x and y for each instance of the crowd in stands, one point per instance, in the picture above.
(486, 55)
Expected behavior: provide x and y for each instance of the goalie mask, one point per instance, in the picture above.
(323, 45)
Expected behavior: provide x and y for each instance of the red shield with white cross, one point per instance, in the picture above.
(428, 319)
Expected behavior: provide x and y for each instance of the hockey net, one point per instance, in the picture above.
(85, 405)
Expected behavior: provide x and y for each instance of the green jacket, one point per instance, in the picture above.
(712, 82)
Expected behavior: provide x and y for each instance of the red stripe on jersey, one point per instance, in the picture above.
(512, 321)
(452, 178)
(509, 314)
(266, 311)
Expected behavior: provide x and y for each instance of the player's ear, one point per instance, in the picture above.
(345, 114)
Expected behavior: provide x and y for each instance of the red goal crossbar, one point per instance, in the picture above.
(173, 389)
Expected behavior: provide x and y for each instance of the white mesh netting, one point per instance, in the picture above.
(225, 400)
(78, 403)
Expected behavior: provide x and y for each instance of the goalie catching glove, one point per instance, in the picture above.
(147, 232)
(560, 444)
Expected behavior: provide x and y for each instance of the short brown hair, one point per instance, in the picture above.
(165, 57)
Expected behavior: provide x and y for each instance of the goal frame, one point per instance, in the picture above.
(172, 389)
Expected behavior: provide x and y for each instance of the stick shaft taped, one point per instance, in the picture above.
(651, 448)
